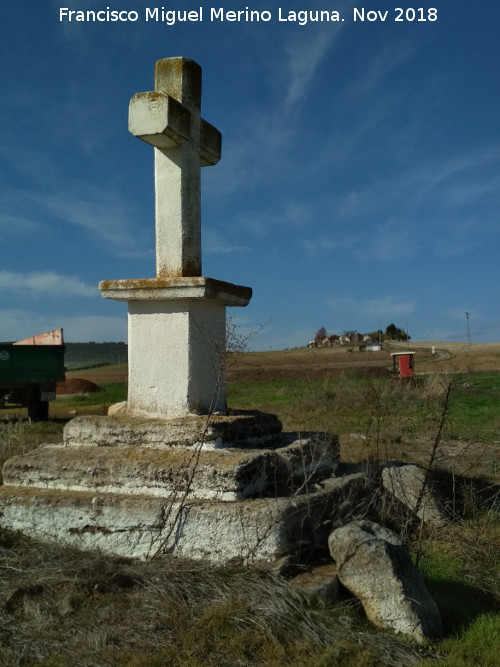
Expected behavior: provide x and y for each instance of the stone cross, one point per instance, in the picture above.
(169, 119)
(177, 320)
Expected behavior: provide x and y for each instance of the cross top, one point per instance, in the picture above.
(181, 79)
(168, 118)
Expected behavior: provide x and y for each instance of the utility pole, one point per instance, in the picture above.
(468, 329)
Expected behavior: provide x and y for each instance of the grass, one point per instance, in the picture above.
(475, 406)
(355, 403)
(301, 403)
(60, 607)
(63, 607)
(478, 645)
(18, 436)
(462, 569)
(111, 392)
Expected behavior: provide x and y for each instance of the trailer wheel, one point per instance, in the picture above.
(38, 410)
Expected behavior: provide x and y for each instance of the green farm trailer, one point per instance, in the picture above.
(29, 371)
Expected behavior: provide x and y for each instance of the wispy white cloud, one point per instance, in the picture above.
(314, 245)
(17, 224)
(104, 215)
(108, 215)
(95, 328)
(16, 324)
(455, 181)
(256, 148)
(387, 241)
(445, 206)
(301, 61)
(383, 242)
(387, 307)
(459, 168)
(46, 283)
(304, 60)
(290, 215)
(382, 64)
(217, 243)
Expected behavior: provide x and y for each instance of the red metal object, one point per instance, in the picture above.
(402, 364)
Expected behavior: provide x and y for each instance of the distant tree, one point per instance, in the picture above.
(320, 334)
(395, 333)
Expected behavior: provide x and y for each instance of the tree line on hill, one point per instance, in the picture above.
(392, 332)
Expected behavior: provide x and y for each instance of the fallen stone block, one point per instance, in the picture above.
(414, 487)
(374, 565)
(321, 581)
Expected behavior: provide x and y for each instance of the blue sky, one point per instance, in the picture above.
(358, 185)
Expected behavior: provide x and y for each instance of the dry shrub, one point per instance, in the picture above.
(435, 385)
(60, 606)
(475, 543)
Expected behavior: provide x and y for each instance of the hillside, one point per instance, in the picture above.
(88, 355)
(86, 360)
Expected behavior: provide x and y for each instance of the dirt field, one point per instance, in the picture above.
(448, 357)
(115, 373)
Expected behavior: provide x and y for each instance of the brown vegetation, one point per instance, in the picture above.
(322, 362)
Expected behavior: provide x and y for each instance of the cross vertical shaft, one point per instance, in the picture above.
(169, 119)
(177, 170)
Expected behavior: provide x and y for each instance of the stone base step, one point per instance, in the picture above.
(241, 428)
(285, 466)
(142, 526)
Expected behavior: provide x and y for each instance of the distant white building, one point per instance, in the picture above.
(374, 347)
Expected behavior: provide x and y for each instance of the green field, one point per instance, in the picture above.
(92, 355)
(61, 607)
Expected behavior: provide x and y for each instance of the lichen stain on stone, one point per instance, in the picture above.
(164, 280)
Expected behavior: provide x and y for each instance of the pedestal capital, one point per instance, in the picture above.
(168, 289)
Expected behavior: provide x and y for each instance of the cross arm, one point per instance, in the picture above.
(210, 144)
(158, 119)
(163, 122)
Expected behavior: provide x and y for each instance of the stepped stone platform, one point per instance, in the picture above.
(169, 471)
(240, 428)
(229, 486)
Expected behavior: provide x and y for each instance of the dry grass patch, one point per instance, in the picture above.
(62, 607)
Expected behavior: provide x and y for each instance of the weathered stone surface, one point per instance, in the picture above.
(243, 428)
(178, 288)
(376, 568)
(412, 486)
(226, 474)
(142, 526)
(322, 581)
(176, 320)
(356, 494)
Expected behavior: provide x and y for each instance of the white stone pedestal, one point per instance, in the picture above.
(177, 343)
